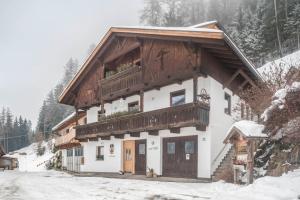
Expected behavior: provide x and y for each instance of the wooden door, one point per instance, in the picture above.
(180, 156)
(128, 156)
(140, 156)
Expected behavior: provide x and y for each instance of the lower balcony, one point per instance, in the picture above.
(173, 118)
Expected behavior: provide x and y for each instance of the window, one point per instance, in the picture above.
(242, 111)
(128, 155)
(100, 153)
(142, 149)
(101, 115)
(177, 98)
(133, 107)
(112, 149)
(189, 147)
(171, 147)
(228, 99)
(69, 152)
(79, 151)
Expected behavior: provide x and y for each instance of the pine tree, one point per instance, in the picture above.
(152, 13)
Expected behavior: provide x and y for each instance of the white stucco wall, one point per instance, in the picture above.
(120, 105)
(92, 114)
(111, 162)
(157, 99)
(64, 157)
(219, 122)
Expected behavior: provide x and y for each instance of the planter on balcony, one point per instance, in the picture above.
(191, 114)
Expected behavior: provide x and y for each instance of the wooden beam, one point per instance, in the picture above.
(200, 127)
(153, 132)
(119, 136)
(136, 134)
(93, 139)
(232, 78)
(195, 88)
(105, 138)
(141, 101)
(248, 78)
(175, 130)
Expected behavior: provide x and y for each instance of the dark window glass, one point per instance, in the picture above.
(133, 107)
(100, 153)
(189, 147)
(178, 98)
(142, 149)
(228, 99)
(171, 147)
(69, 152)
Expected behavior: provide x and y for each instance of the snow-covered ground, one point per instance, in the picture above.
(28, 159)
(59, 185)
(33, 182)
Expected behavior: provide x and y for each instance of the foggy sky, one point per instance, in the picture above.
(37, 37)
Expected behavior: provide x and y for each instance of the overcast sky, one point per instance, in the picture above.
(37, 37)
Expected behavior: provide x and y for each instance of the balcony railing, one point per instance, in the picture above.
(191, 114)
(122, 82)
(65, 139)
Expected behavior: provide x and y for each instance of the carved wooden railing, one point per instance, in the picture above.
(65, 139)
(122, 82)
(192, 114)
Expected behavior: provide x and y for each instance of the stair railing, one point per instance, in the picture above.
(219, 154)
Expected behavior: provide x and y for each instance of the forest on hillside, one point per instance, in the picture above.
(15, 132)
(263, 29)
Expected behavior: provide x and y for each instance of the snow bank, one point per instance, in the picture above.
(28, 159)
(267, 188)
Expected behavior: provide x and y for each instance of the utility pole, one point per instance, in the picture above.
(277, 29)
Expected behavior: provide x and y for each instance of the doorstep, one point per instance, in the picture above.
(139, 177)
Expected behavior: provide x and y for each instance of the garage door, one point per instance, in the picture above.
(180, 156)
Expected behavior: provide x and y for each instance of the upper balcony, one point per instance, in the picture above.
(124, 82)
(66, 140)
(191, 114)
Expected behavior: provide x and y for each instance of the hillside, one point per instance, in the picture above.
(290, 60)
(29, 160)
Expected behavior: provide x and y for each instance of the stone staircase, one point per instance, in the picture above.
(225, 169)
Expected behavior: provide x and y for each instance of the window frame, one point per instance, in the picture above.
(227, 98)
(100, 153)
(177, 93)
(134, 103)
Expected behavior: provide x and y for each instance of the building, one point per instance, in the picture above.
(2, 152)
(159, 98)
(70, 149)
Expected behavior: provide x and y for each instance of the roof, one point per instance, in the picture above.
(248, 129)
(198, 31)
(67, 120)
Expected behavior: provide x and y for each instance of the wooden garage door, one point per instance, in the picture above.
(140, 156)
(180, 156)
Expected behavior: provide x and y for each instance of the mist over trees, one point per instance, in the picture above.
(263, 29)
(15, 132)
(51, 112)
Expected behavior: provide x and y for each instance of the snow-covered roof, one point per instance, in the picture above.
(204, 24)
(191, 28)
(71, 116)
(248, 129)
(290, 60)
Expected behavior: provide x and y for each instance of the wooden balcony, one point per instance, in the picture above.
(67, 140)
(192, 114)
(122, 83)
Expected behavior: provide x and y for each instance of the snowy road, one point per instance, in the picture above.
(48, 185)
